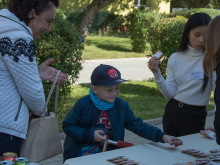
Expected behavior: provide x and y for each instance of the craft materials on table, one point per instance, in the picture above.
(213, 158)
(122, 160)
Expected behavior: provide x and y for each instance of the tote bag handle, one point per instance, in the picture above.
(51, 91)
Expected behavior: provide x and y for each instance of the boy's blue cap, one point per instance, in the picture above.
(106, 75)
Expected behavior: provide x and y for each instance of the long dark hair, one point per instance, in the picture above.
(21, 8)
(196, 20)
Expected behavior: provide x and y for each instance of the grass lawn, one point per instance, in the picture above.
(144, 98)
(97, 47)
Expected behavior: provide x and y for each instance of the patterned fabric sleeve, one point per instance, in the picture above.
(20, 60)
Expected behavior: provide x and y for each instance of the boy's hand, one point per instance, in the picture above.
(172, 140)
(98, 137)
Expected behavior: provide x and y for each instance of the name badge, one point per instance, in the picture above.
(196, 75)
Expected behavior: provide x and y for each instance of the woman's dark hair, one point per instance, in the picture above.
(21, 8)
(196, 20)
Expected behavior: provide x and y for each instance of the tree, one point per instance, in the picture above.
(89, 14)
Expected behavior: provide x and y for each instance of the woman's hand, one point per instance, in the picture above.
(47, 73)
(172, 140)
(153, 65)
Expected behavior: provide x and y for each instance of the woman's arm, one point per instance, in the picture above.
(25, 77)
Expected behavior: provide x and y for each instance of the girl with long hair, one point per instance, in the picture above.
(186, 87)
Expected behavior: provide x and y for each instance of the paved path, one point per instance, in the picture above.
(130, 68)
(134, 68)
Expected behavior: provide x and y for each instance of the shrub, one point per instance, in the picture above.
(139, 28)
(63, 43)
(75, 17)
(99, 19)
(102, 20)
(165, 36)
(211, 12)
(187, 13)
(3, 4)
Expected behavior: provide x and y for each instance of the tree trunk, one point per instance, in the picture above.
(89, 14)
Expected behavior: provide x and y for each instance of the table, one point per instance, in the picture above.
(152, 153)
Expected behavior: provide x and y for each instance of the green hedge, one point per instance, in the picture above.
(165, 36)
(102, 20)
(140, 24)
(211, 12)
(63, 43)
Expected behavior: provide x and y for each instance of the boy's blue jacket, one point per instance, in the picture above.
(84, 115)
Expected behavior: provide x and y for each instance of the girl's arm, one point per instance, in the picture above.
(167, 88)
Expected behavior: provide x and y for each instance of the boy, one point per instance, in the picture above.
(102, 115)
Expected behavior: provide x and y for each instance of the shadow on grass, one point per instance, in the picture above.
(134, 89)
(117, 46)
(113, 48)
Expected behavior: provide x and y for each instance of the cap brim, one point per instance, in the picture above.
(114, 82)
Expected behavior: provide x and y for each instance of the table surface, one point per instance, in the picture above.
(152, 153)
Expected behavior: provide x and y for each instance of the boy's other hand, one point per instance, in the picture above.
(98, 137)
(172, 140)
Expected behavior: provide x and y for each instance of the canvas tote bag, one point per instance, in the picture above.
(43, 137)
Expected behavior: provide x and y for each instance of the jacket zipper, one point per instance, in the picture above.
(19, 108)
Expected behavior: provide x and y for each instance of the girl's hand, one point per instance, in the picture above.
(211, 129)
(153, 65)
(172, 140)
(98, 137)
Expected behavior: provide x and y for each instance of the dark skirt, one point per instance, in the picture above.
(182, 119)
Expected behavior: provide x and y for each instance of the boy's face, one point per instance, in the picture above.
(106, 93)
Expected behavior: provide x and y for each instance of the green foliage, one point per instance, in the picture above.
(165, 36)
(214, 4)
(102, 20)
(211, 12)
(3, 4)
(75, 17)
(63, 43)
(140, 24)
(187, 13)
(115, 22)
